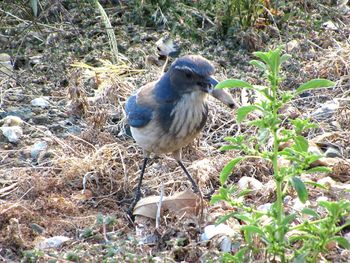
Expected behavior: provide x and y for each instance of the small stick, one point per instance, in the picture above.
(159, 206)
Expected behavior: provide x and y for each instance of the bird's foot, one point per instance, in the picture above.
(208, 196)
(130, 214)
(130, 211)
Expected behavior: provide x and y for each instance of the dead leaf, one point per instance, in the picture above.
(326, 161)
(83, 195)
(8, 189)
(179, 204)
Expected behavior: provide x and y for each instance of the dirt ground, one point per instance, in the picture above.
(73, 171)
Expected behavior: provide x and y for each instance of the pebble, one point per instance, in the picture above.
(347, 236)
(249, 183)
(298, 205)
(11, 121)
(25, 113)
(12, 133)
(332, 152)
(326, 111)
(6, 66)
(211, 231)
(40, 102)
(52, 242)
(37, 148)
(292, 45)
(41, 119)
(265, 207)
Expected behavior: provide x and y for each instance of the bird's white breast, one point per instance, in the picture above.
(188, 114)
(187, 117)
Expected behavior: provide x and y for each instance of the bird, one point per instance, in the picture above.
(168, 114)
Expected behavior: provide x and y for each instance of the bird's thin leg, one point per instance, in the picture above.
(194, 185)
(138, 189)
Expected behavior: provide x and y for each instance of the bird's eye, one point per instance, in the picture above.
(188, 75)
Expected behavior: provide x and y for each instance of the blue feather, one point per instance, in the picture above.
(164, 92)
(166, 97)
(137, 115)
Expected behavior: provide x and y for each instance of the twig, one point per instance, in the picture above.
(111, 36)
(159, 205)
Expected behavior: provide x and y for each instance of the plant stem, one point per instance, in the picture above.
(278, 179)
(110, 33)
(279, 194)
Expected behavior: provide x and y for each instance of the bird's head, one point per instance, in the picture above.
(192, 73)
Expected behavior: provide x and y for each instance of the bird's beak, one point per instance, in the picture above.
(225, 97)
(208, 85)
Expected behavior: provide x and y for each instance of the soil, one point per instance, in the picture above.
(74, 169)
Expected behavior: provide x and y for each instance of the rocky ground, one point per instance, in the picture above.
(68, 167)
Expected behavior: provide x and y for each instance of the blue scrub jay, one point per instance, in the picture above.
(168, 114)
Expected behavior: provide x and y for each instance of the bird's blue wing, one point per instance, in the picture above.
(137, 115)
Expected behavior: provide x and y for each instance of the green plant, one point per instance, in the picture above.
(109, 29)
(272, 227)
(238, 13)
(32, 256)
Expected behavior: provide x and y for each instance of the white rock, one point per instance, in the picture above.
(292, 45)
(322, 198)
(249, 183)
(226, 244)
(298, 205)
(330, 25)
(326, 110)
(347, 236)
(211, 231)
(40, 102)
(37, 148)
(13, 133)
(11, 121)
(265, 207)
(6, 66)
(327, 181)
(52, 242)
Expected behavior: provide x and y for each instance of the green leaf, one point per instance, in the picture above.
(301, 144)
(288, 219)
(263, 56)
(233, 83)
(258, 64)
(253, 230)
(332, 207)
(263, 135)
(244, 192)
(342, 241)
(301, 258)
(242, 112)
(319, 169)
(216, 198)
(229, 147)
(244, 218)
(224, 218)
(314, 184)
(285, 57)
(310, 212)
(228, 168)
(315, 84)
(34, 6)
(300, 188)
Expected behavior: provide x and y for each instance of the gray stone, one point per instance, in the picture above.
(40, 102)
(37, 148)
(13, 133)
(41, 119)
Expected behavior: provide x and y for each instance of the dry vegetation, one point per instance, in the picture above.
(82, 183)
